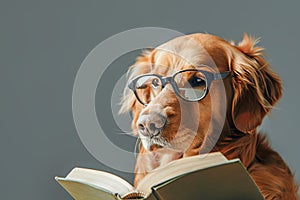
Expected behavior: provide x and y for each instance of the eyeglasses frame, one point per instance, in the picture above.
(210, 76)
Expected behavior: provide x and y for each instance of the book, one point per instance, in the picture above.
(207, 176)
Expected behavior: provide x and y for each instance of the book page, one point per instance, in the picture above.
(228, 181)
(179, 167)
(99, 179)
(81, 191)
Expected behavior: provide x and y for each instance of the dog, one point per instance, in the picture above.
(199, 93)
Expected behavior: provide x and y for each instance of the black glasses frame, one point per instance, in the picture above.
(209, 76)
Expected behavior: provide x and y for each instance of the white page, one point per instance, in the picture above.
(99, 179)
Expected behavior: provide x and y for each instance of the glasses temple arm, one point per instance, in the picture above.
(221, 75)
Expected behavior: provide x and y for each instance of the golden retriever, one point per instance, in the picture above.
(199, 93)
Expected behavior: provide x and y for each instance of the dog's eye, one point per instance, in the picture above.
(155, 83)
(196, 81)
(143, 86)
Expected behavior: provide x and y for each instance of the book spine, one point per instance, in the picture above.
(133, 195)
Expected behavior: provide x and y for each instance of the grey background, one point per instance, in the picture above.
(42, 44)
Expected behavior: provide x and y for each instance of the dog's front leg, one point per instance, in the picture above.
(145, 163)
(149, 160)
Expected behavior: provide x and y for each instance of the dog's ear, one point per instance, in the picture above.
(141, 66)
(256, 87)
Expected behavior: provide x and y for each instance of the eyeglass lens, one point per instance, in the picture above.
(148, 87)
(191, 84)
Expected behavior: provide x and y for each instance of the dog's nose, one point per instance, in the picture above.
(151, 124)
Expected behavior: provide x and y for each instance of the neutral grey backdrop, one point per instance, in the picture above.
(42, 44)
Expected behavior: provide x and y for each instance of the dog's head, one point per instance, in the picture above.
(190, 88)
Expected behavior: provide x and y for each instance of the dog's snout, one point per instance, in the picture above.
(151, 124)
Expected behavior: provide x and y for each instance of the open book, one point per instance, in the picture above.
(208, 176)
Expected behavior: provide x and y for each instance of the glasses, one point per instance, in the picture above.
(189, 84)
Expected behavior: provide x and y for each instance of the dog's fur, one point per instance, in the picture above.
(249, 95)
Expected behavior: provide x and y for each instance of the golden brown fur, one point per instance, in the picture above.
(250, 93)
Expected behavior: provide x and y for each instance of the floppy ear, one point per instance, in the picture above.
(256, 87)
